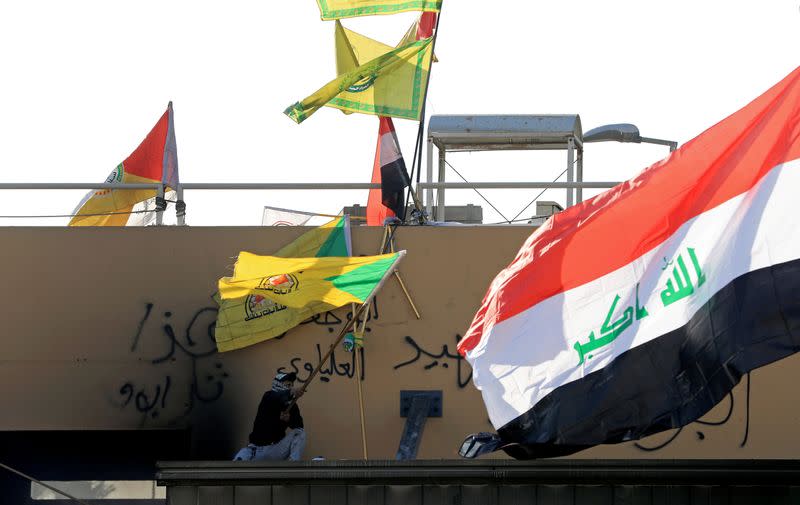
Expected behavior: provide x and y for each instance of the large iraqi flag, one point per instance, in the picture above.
(638, 310)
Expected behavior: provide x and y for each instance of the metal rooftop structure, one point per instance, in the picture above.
(469, 133)
(494, 133)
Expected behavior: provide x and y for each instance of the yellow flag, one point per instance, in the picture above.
(303, 282)
(254, 318)
(245, 321)
(373, 79)
(336, 9)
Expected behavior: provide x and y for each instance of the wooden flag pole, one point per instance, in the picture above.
(347, 327)
(358, 380)
(408, 295)
(388, 240)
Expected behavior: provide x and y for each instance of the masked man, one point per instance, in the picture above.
(270, 439)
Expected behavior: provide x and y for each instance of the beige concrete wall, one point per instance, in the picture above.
(111, 329)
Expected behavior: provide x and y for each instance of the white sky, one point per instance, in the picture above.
(82, 82)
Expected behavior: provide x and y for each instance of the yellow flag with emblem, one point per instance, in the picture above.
(255, 318)
(373, 78)
(336, 9)
(304, 282)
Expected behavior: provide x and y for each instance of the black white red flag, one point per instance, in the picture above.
(389, 171)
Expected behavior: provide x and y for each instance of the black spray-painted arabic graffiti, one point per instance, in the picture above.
(196, 343)
(700, 435)
(333, 368)
(331, 321)
(442, 358)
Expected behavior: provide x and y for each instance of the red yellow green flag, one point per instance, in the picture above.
(154, 161)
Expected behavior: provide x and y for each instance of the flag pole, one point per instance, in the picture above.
(356, 348)
(387, 242)
(361, 404)
(421, 131)
(347, 327)
(161, 204)
(403, 284)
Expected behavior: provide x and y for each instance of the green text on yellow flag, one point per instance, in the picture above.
(373, 79)
(254, 318)
(336, 9)
(302, 282)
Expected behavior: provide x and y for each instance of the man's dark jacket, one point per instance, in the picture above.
(268, 427)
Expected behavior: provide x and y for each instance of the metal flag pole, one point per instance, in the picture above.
(161, 202)
(421, 131)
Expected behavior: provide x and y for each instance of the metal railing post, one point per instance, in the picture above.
(570, 169)
(159, 211)
(440, 190)
(180, 206)
(579, 175)
(429, 191)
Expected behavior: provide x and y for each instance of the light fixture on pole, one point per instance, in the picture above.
(624, 132)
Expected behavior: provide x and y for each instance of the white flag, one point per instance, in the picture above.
(274, 216)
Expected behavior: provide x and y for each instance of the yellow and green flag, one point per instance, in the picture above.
(373, 78)
(254, 318)
(330, 239)
(304, 282)
(336, 9)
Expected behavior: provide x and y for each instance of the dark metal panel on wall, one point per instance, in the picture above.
(252, 495)
(288, 495)
(556, 495)
(327, 495)
(514, 494)
(215, 495)
(435, 494)
(365, 495)
(403, 495)
(633, 495)
(478, 494)
(182, 495)
(596, 495)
